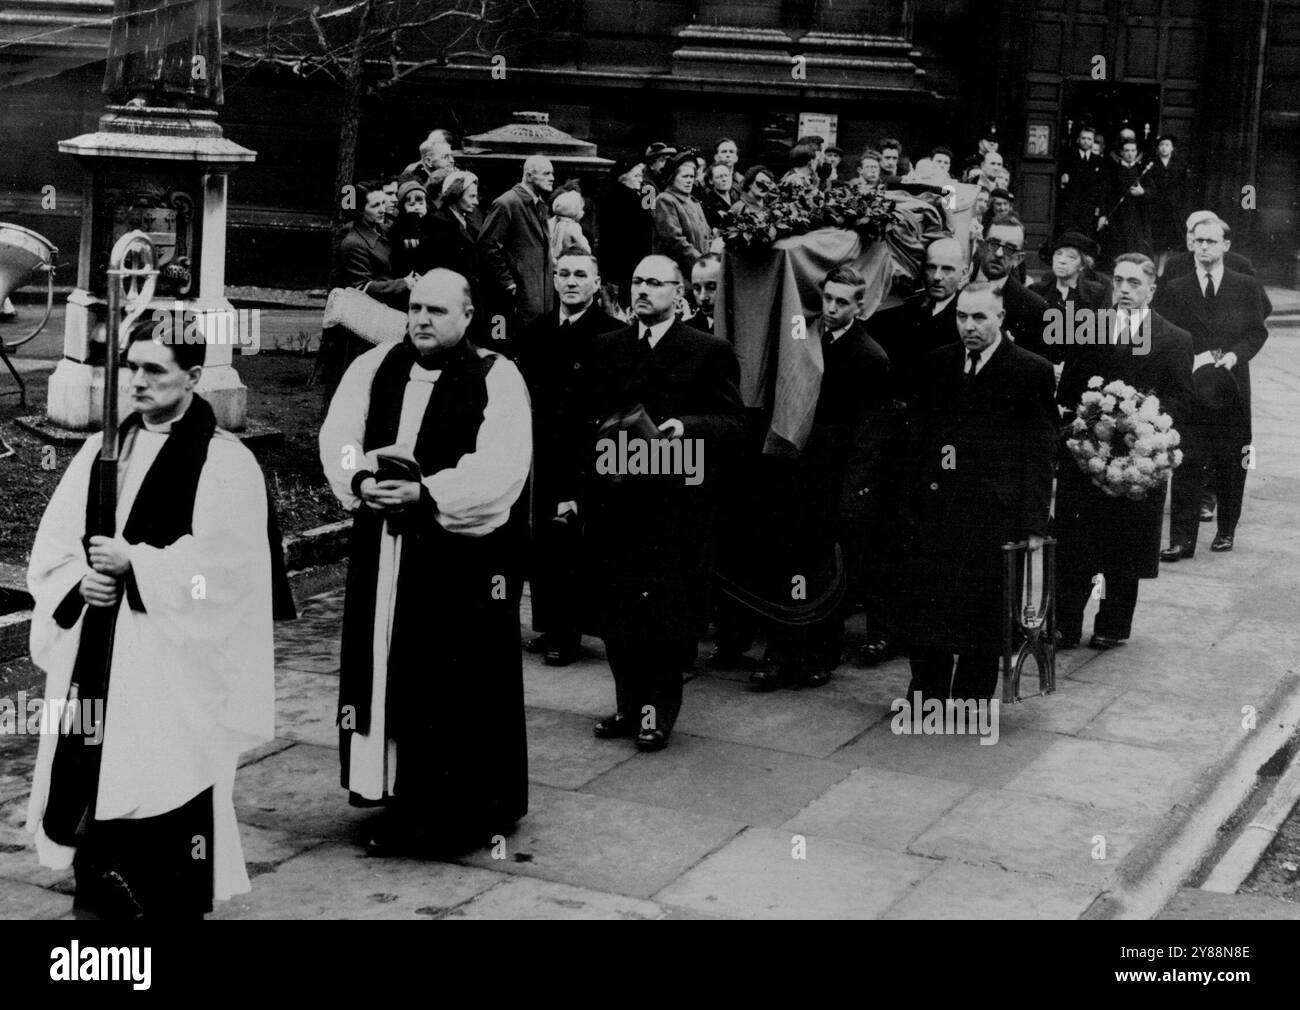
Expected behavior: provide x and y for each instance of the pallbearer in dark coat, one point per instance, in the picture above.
(649, 534)
(555, 350)
(980, 476)
(1224, 312)
(1001, 252)
(828, 494)
(908, 333)
(427, 443)
(1117, 538)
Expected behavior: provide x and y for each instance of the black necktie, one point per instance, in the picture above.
(1209, 288)
(974, 357)
(643, 347)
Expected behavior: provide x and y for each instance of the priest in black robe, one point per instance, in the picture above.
(428, 443)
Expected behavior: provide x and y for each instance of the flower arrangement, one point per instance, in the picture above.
(1122, 440)
(798, 206)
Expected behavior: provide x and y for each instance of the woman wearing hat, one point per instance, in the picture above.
(681, 230)
(623, 216)
(1071, 255)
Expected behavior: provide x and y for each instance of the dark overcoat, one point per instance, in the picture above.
(1095, 532)
(979, 474)
(515, 249)
(648, 536)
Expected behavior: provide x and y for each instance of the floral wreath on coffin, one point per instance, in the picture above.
(798, 207)
(1122, 441)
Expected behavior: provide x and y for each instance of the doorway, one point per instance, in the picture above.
(1109, 106)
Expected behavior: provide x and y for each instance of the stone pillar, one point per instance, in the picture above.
(164, 171)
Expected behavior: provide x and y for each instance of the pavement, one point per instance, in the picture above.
(805, 804)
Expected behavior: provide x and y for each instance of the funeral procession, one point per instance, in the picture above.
(651, 460)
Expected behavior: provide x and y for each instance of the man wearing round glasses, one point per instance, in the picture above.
(997, 261)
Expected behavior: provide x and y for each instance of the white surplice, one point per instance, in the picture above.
(192, 681)
(473, 498)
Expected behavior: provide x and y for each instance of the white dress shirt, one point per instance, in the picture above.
(1216, 273)
(657, 331)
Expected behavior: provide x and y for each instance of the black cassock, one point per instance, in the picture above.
(454, 700)
(993, 487)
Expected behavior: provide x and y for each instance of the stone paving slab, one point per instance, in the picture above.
(1197, 726)
(955, 758)
(1035, 835)
(338, 881)
(753, 785)
(562, 752)
(1197, 671)
(606, 844)
(958, 891)
(1104, 774)
(757, 876)
(1073, 705)
(798, 722)
(876, 807)
(27, 901)
(306, 707)
(297, 790)
(530, 899)
(585, 687)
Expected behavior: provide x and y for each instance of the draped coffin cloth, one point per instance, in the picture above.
(763, 294)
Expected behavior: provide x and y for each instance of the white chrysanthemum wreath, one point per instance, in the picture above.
(1122, 441)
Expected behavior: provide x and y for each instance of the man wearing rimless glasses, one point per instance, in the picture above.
(997, 260)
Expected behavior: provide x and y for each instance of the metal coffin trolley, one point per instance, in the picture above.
(1028, 620)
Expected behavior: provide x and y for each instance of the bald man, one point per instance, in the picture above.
(515, 248)
(428, 443)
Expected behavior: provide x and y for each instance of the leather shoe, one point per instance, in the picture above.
(614, 727)
(1103, 642)
(1174, 552)
(769, 678)
(538, 645)
(1207, 513)
(651, 740)
(817, 678)
(876, 651)
(1221, 543)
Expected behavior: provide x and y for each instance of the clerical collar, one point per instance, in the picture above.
(163, 427)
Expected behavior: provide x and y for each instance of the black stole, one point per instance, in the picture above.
(162, 513)
(448, 430)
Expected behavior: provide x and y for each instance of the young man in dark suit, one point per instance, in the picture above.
(979, 476)
(1081, 181)
(554, 351)
(648, 533)
(1224, 312)
(828, 494)
(1116, 537)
